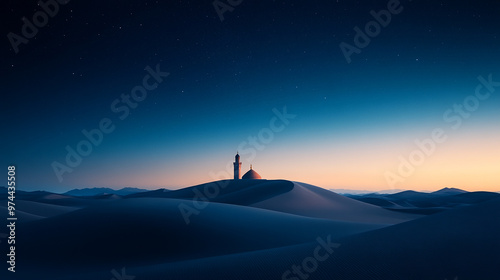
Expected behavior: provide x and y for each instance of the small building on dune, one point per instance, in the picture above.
(251, 174)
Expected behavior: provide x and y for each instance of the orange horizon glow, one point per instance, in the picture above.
(465, 163)
(468, 160)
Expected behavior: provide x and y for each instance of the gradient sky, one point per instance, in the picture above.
(353, 121)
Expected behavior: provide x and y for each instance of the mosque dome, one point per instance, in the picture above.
(251, 174)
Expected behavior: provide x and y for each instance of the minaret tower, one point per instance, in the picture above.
(237, 167)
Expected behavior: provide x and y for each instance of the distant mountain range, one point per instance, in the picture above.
(102, 191)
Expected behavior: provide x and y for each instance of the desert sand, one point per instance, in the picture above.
(255, 229)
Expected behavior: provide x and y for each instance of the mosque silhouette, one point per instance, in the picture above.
(251, 174)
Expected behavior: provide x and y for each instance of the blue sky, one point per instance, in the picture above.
(227, 77)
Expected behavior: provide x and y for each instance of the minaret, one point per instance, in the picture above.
(237, 167)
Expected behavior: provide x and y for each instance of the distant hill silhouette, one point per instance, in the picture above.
(449, 191)
(103, 191)
(426, 203)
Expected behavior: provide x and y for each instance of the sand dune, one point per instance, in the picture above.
(457, 244)
(377, 201)
(290, 197)
(42, 209)
(461, 242)
(29, 211)
(311, 201)
(103, 191)
(70, 201)
(252, 229)
(23, 217)
(240, 192)
(427, 202)
(152, 230)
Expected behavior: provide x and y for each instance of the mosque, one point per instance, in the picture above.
(251, 174)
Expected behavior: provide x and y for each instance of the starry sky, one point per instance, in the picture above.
(407, 110)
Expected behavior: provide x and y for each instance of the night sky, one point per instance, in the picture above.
(346, 125)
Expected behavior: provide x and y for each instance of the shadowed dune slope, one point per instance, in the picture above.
(43, 209)
(376, 201)
(22, 217)
(240, 192)
(28, 211)
(443, 198)
(311, 201)
(287, 197)
(65, 200)
(141, 231)
(467, 198)
(460, 243)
